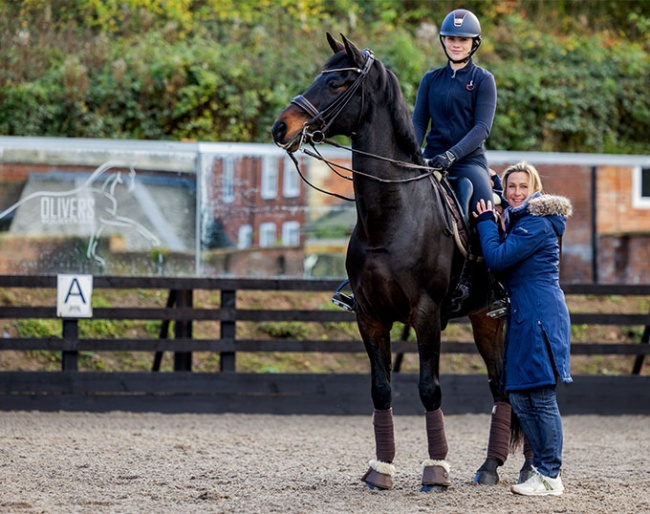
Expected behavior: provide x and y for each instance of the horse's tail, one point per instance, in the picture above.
(516, 432)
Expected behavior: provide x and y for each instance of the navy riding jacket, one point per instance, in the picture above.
(460, 105)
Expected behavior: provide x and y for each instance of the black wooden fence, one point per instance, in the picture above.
(298, 393)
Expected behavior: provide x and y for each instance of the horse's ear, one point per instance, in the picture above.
(353, 52)
(335, 45)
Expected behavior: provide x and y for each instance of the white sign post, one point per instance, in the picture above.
(74, 296)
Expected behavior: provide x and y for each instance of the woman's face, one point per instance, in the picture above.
(458, 48)
(517, 188)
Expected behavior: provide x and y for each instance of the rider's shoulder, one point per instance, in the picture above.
(483, 73)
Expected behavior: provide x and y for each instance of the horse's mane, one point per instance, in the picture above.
(401, 116)
(403, 124)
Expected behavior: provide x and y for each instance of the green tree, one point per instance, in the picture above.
(571, 74)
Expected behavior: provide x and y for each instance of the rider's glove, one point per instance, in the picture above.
(443, 161)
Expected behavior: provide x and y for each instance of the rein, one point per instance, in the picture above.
(431, 172)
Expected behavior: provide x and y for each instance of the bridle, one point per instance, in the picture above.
(315, 131)
(324, 119)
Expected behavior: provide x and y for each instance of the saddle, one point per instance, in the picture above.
(457, 193)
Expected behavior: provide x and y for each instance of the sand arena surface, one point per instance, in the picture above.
(161, 463)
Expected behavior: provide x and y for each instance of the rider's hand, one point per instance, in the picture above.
(443, 161)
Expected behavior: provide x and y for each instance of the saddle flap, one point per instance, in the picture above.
(462, 189)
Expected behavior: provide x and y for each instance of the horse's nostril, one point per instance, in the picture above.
(279, 130)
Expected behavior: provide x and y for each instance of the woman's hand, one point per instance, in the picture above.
(481, 207)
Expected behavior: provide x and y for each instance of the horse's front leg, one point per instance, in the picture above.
(376, 338)
(435, 470)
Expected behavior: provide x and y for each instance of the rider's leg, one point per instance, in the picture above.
(476, 170)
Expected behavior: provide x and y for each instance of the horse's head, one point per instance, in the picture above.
(332, 104)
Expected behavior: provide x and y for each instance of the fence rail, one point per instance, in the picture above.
(249, 392)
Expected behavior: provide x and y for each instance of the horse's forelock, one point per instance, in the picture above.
(335, 61)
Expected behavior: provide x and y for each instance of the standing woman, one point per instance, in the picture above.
(458, 102)
(537, 349)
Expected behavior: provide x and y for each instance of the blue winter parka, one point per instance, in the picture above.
(527, 259)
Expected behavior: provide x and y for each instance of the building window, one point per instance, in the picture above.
(269, 177)
(267, 235)
(228, 180)
(291, 233)
(245, 236)
(290, 179)
(641, 187)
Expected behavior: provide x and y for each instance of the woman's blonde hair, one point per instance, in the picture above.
(534, 180)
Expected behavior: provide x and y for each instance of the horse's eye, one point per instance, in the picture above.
(335, 84)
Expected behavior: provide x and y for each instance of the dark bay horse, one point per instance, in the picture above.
(402, 259)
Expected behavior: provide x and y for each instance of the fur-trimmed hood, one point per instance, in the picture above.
(556, 208)
(546, 205)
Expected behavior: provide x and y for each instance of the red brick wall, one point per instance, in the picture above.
(624, 259)
(248, 207)
(616, 212)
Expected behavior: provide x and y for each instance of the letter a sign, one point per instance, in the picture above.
(74, 296)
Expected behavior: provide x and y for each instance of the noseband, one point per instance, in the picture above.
(322, 120)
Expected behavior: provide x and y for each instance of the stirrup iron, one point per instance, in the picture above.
(342, 300)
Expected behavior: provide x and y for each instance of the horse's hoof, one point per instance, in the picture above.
(433, 488)
(487, 474)
(377, 481)
(374, 487)
(484, 477)
(525, 474)
(435, 476)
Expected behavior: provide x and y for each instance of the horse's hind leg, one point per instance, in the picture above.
(376, 338)
(498, 445)
(488, 335)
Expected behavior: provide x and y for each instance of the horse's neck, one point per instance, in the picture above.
(382, 205)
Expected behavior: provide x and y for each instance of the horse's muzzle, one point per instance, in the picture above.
(279, 132)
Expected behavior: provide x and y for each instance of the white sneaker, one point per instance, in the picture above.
(539, 485)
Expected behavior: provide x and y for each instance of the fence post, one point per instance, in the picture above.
(183, 330)
(70, 359)
(638, 362)
(228, 301)
(164, 330)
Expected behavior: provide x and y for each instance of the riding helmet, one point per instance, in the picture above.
(461, 23)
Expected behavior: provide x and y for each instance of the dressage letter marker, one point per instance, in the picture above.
(74, 296)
